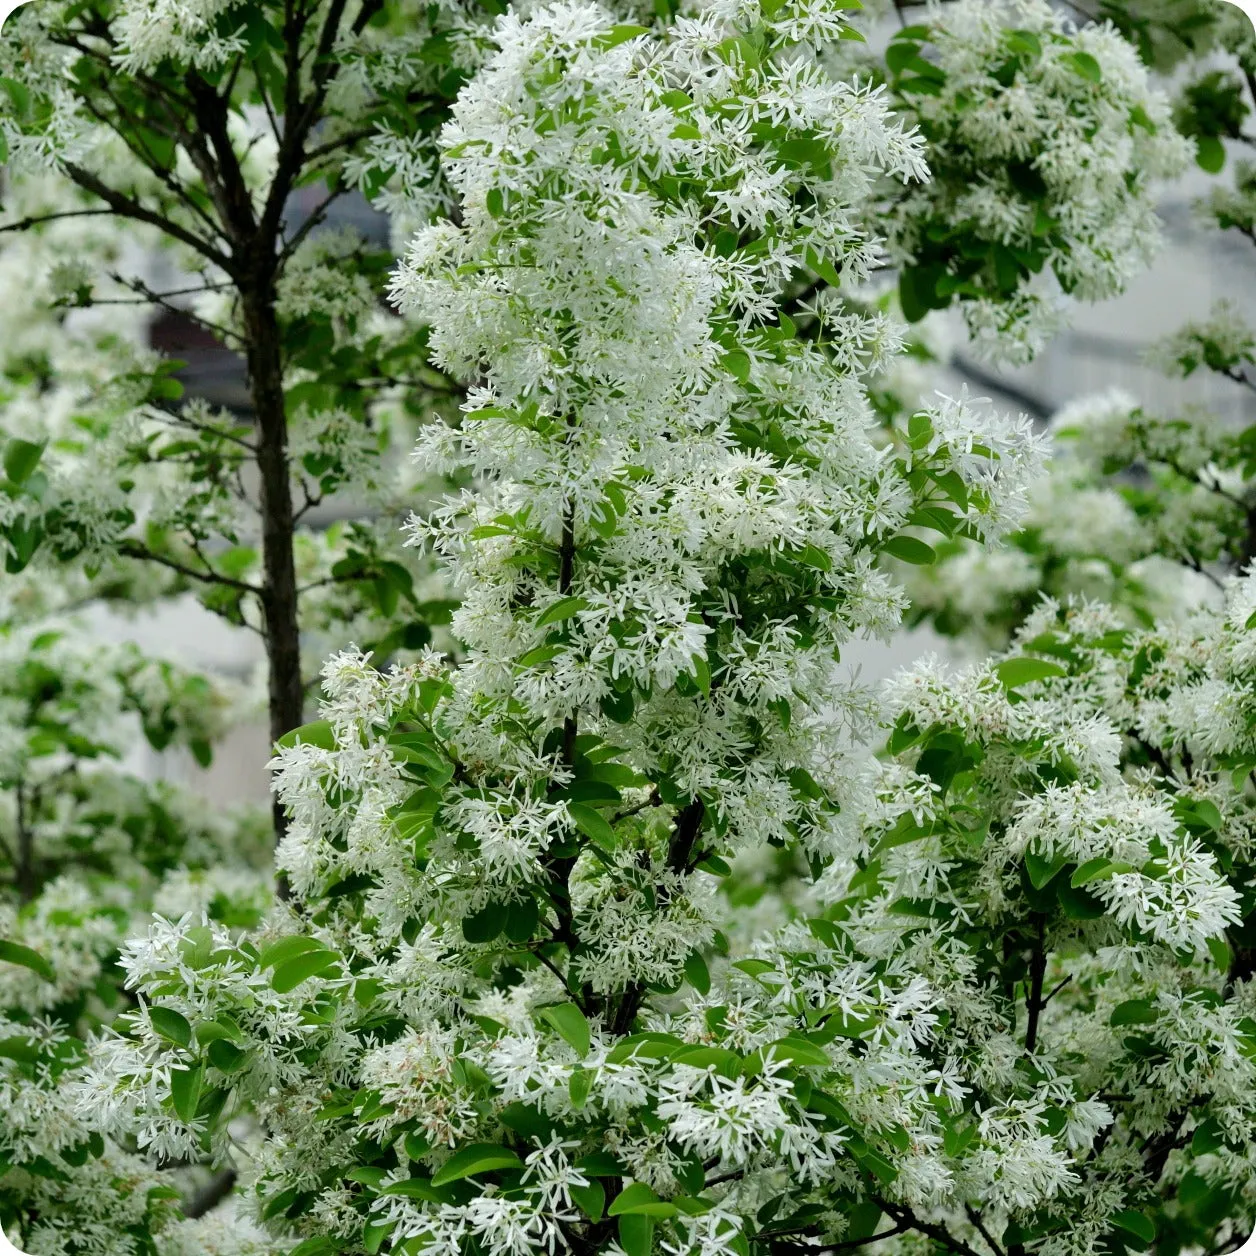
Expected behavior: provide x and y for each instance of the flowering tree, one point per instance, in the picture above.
(991, 996)
(190, 129)
(510, 1007)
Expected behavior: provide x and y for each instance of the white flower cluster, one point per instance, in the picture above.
(1045, 144)
(200, 32)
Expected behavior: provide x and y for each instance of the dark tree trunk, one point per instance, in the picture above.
(279, 585)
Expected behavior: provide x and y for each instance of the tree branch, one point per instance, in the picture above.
(975, 1217)
(1037, 973)
(36, 219)
(127, 207)
(939, 1234)
(211, 1194)
(137, 550)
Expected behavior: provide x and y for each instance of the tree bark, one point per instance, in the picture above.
(25, 850)
(279, 583)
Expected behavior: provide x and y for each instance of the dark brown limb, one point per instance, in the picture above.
(211, 1194)
(1034, 1002)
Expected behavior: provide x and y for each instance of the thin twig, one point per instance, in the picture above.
(36, 219)
(137, 550)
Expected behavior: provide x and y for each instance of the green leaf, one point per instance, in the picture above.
(1135, 1223)
(1042, 870)
(571, 1025)
(737, 364)
(295, 944)
(541, 654)
(877, 1164)
(727, 1063)
(18, 93)
(813, 556)
(484, 925)
(226, 1056)
(320, 1245)
(958, 1137)
(1078, 904)
(591, 1199)
(1023, 671)
(618, 35)
(592, 824)
(908, 549)
(823, 267)
(354, 884)
(702, 674)
(1085, 65)
(24, 957)
(217, 1031)
(636, 1234)
(373, 1235)
(600, 1164)
(522, 918)
(561, 610)
(414, 1188)
(1134, 1012)
(1026, 42)
(1209, 154)
(697, 973)
(478, 1158)
(1098, 870)
(21, 457)
(638, 1199)
(526, 1120)
(185, 1090)
(1208, 814)
(1220, 952)
(799, 1051)
(918, 291)
(171, 1025)
(578, 1086)
(293, 972)
(319, 733)
(919, 430)
(1207, 1138)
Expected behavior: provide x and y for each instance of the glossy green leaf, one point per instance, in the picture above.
(571, 1025)
(185, 1090)
(25, 957)
(697, 973)
(908, 549)
(171, 1025)
(593, 825)
(591, 1199)
(318, 733)
(639, 1199)
(1135, 1223)
(563, 609)
(476, 1159)
(21, 457)
(1134, 1012)
(1024, 671)
(291, 973)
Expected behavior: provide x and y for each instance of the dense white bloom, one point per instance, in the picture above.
(1045, 143)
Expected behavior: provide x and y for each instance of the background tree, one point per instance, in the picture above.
(198, 127)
